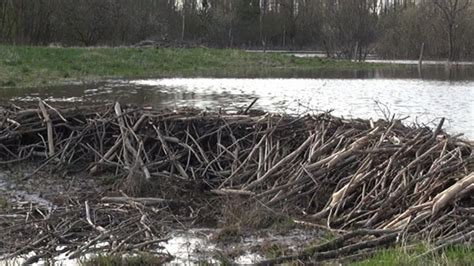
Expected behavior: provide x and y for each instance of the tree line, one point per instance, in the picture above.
(340, 28)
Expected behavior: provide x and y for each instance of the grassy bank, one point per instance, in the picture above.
(452, 256)
(33, 66)
(455, 255)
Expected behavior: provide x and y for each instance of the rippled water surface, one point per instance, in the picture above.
(374, 94)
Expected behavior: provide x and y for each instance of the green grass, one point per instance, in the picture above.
(458, 255)
(23, 66)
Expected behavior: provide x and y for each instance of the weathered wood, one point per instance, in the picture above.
(49, 127)
(344, 173)
(148, 201)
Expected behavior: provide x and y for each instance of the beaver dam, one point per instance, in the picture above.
(372, 184)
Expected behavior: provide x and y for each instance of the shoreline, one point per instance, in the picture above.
(27, 66)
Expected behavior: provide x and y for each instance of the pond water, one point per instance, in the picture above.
(439, 91)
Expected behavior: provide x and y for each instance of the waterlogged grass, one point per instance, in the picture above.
(118, 260)
(22, 66)
(456, 256)
(3, 204)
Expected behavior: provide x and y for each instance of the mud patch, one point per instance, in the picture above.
(45, 196)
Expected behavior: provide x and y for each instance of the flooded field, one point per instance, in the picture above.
(423, 98)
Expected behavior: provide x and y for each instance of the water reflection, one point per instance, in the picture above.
(426, 95)
(408, 71)
(424, 101)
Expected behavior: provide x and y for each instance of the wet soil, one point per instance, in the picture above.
(210, 240)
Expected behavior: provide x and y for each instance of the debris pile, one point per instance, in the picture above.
(376, 180)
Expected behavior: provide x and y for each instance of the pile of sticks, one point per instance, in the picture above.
(345, 173)
(33, 233)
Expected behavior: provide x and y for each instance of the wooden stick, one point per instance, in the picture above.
(147, 201)
(49, 126)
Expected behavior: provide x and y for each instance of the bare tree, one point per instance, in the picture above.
(349, 28)
(452, 11)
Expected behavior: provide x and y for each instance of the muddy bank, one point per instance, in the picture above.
(52, 204)
(370, 183)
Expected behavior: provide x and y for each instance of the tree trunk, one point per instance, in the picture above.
(183, 22)
(183, 25)
(451, 43)
(356, 51)
(420, 59)
(284, 35)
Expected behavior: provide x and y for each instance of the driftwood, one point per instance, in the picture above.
(79, 229)
(334, 248)
(348, 174)
(146, 201)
